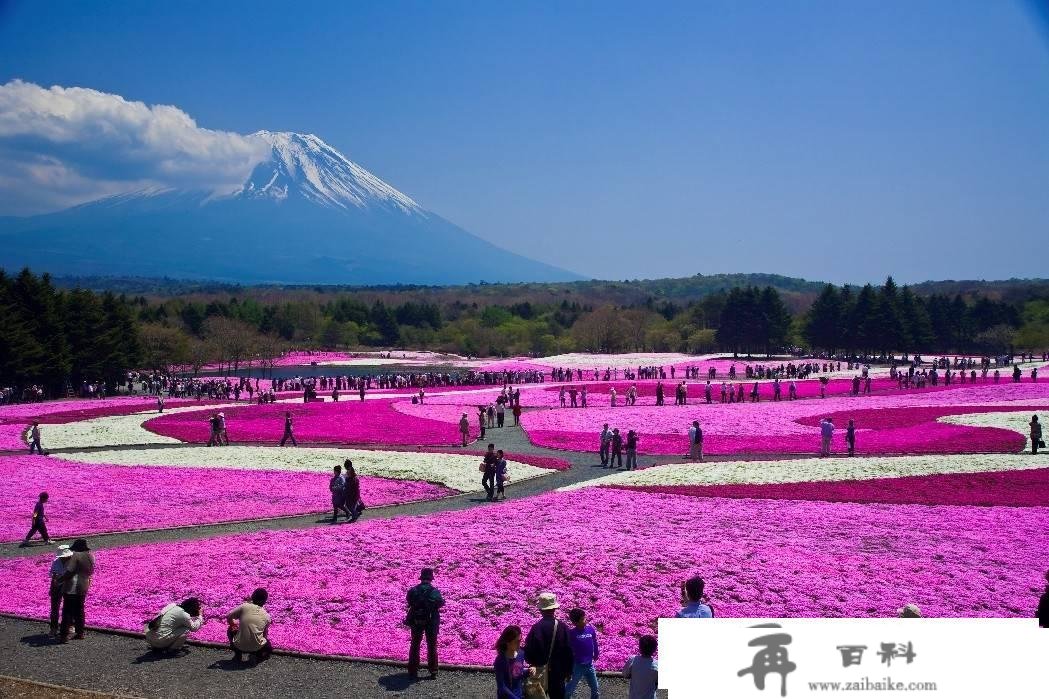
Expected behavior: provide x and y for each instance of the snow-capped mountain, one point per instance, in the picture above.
(305, 214)
(305, 166)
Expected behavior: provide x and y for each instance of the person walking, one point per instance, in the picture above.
(547, 648)
(582, 637)
(464, 429)
(631, 450)
(1036, 435)
(642, 669)
(606, 444)
(826, 434)
(76, 583)
(488, 469)
(516, 410)
(354, 502)
(39, 523)
(57, 581)
(213, 424)
(288, 431)
(248, 628)
(167, 631)
(337, 486)
(34, 439)
(510, 670)
(500, 476)
(850, 437)
(617, 448)
(695, 442)
(424, 619)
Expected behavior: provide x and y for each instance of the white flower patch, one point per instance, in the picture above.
(456, 471)
(113, 430)
(804, 470)
(1016, 421)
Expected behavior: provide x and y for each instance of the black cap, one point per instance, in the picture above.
(80, 545)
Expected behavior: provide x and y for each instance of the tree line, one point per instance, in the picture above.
(60, 337)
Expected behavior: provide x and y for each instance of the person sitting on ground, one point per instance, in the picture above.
(692, 604)
(249, 626)
(167, 631)
(909, 611)
(642, 670)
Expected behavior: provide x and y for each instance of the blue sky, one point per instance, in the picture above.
(831, 140)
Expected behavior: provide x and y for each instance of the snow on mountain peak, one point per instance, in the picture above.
(304, 165)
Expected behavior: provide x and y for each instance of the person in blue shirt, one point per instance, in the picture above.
(642, 670)
(510, 668)
(693, 606)
(583, 639)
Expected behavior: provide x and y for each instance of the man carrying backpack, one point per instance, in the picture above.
(424, 619)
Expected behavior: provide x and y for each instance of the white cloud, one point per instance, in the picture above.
(65, 145)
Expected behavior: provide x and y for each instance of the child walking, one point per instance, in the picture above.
(39, 522)
(583, 639)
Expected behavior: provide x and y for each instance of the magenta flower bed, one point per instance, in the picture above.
(760, 558)
(89, 498)
(16, 419)
(345, 422)
(1028, 488)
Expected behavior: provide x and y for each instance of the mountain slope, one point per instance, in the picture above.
(306, 215)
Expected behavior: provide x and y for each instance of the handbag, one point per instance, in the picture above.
(535, 686)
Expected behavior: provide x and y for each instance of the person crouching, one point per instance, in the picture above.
(167, 631)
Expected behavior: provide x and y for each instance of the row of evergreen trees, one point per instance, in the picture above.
(884, 319)
(56, 339)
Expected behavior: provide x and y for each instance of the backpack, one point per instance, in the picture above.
(420, 612)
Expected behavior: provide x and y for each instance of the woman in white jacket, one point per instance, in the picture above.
(168, 630)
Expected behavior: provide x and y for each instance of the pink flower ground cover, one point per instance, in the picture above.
(91, 499)
(1028, 488)
(760, 558)
(16, 419)
(345, 422)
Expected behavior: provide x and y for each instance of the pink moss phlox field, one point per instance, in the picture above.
(1028, 488)
(90, 498)
(345, 422)
(16, 419)
(341, 591)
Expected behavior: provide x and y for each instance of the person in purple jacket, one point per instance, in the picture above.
(583, 639)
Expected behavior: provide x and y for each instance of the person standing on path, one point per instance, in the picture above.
(248, 628)
(488, 468)
(510, 668)
(517, 413)
(500, 476)
(223, 434)
(583, 639)
(1036, 434)
(213, 424)
(57, 575)
(77, 583)
(464, 429)
(39, 523)
(617, 448)
(642, 670)
(424, 619)
(337, 486)
(547, 648)
(631, 450)
(354, 502)
(606, 443)
(826, 434)
(850, 437)
(34, 439)
(288, 431)
(695, 442)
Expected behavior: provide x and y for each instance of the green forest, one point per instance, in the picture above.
(57, 334)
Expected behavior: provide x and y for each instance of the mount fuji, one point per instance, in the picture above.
(305, 215)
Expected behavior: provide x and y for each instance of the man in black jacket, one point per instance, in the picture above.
(424, 619)
(547, 642)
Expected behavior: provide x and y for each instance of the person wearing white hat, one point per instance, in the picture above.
(58, 574)
(547, 648)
